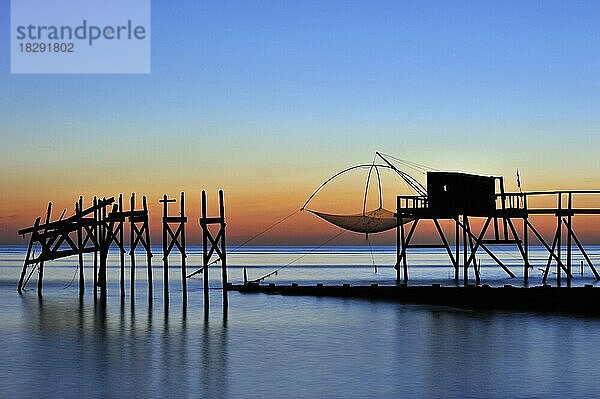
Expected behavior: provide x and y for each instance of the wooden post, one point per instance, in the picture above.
(403, 254)
(559, 239)
(398, 249)
(97, 236)
(472, 249)
(466, 259)
(503, 197)
(525, 241)
(173, 238)
(457, 244)
(569, 234)
(121, 249)
(103, 252)
(148, 248)
(223, 248)
(165, 201)
(213, 244)
(140, 235)
(25, 264)
(78, 210)
(205, 258)
(183, 255)
(132, 245)
(43, 242)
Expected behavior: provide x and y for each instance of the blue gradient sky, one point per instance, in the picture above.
(267, 98)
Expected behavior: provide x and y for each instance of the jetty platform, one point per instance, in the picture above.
(548, 299)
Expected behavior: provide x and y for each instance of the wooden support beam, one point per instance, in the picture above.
(445, 245)
(121, 249)
(97, 235)
(491, 254)
(148, 248)
(223, 250)
(479, 240)
(457, 245)
(108, 236)
(174, 239)
(405, 243)
(63, 222)
(518, 242)
(133, 239)
(503, 200)
(569, 235)
(165, 201)
(80, 245)
(205, 258)
(475, 265)
(582, 250)
(466, 260)
(398, 243)
(213, 244)
(43, 243)
(526, 266)
(181, 231)
(25, 264)
(547, 268)
(559, 241)
(551, 251)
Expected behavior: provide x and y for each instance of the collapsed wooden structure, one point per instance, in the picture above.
(95, 229)
(461, 198)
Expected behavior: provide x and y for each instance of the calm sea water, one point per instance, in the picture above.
(292, 347)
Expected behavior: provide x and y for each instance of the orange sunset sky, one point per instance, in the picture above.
(267, 103)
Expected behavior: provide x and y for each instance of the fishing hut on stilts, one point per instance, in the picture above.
(466, 201)
(461, 197)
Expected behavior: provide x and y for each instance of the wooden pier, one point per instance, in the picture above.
(571, 300)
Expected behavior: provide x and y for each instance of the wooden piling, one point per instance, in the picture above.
(78, 210)
(457, 244)
(559, 240)
(569, 234)
(173, 238)
(97, 235)
(148, 248)
(223, 248)
(213, 244)
(465, 255)
(525, 242)
(398, 239)
(165, 202)
(205, 258)
(183, 254)
(121, 250)
(27, 257)
(132, 244)
(43, 243)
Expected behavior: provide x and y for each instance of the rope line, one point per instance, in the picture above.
(372, 257)
(272, 226)
(73, 279)
(411, 164)
(298, 258)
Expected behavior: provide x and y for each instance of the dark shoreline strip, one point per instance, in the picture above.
(572, 300)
